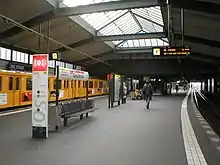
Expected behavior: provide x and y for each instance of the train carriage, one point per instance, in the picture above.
(16, 88)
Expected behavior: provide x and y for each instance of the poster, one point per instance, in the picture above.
(40, 95)
(117, 88)
(3, 98)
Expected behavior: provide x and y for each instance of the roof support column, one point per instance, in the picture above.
(170, 24)
(182, 25)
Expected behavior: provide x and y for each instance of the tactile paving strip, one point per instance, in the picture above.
(193, 151)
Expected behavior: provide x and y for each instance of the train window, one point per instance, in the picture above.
(83, 84)
(59, 84)
(0, 83)
(17, 83)
(10, 83)
(29, 84)
(100, 84)
(75, 83)
(90, 84)
(79, 82)
(96, 84)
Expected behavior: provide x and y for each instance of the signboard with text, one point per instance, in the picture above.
(171, 51)
(15, 66)
(72, 74)
(40, 96)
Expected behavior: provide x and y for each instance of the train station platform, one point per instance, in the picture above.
(124, 135)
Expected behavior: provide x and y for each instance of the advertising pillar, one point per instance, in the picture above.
(40, 96)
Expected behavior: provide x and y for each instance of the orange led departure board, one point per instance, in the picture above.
(171, 51)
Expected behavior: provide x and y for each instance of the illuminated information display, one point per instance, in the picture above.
(170, 51)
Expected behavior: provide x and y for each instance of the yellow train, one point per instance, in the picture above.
(16, 88)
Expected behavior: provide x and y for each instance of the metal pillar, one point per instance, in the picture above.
(213, 85)
(109, 94)
(48, 36)
(131, 84)
(57, 83)
(206, 85)
(87, 95)
(87, 89)
(182, 25)
(209, 85)
(39, 37)
(168, 19)
(112, 90)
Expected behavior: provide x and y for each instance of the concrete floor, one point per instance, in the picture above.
(125, 135)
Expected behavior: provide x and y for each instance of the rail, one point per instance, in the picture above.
(209, 110)
(214, 109)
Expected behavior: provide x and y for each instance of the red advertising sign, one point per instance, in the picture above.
(109, 76)
(40, 63)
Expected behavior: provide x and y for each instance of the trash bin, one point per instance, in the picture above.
(54, 118)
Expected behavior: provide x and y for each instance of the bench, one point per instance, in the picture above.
(76, 109)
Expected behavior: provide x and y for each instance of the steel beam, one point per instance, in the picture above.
(17, 48)
(200, 6)
(134, 50)
(138, 15)
(130, 36)
(76, 44)
(198, 40)
(46, 37)
(136, 20)
(30, 23)
(83, 61)
(107, 6)
(205, 58)
(147, 55)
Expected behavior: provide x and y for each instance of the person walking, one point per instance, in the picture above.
(147, 91)
(177, 88)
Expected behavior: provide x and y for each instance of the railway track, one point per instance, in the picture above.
(209, 109)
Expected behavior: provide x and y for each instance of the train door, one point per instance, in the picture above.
(84, 89)
(5, 98)
(70, 89)
(101, 91)
(65, 89)
(78, 88)
(17, 89)
(13, 94)
(73, 89)
(96, 87)
(10, 91)
(90, 88)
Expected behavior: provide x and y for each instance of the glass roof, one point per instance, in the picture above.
(129, 21)
(144, 43)
(72, 3)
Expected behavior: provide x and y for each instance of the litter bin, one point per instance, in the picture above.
(54, 118)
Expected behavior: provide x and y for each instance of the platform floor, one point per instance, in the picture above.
(125, 135)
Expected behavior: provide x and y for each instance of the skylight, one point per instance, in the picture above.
(72, 3)
(128, 21)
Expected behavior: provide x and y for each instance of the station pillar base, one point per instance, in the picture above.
(39, 132)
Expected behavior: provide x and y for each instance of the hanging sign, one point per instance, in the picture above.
(71, 74)
(40, 96)
(19, 67)
(171, 51)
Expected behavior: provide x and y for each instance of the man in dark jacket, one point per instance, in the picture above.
(147, 91)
